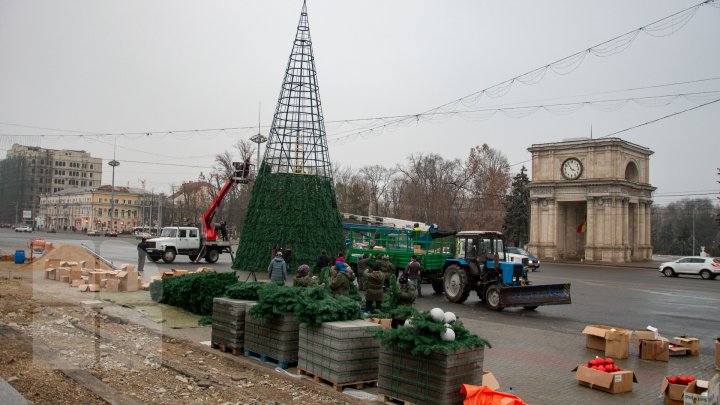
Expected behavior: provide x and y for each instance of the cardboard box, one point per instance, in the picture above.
(673, 392)
(112, 285)
(95, 276)
(658, 350)
(614, 383)
(385, 323)
(50, 273)
(204, 270)
(178, 272)
(75, 274)
(129, 282)
(65, 278)
(690, 343)
(644, 334)
(83, 287)
(93, 287)
(615, 342)
(52, 262)
(127, 267)
(694, 393)
(76, 283)
(490, 381)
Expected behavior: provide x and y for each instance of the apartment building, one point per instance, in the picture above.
(30, 172)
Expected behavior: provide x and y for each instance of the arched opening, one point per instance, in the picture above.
(631, 172)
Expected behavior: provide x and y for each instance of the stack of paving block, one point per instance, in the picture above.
(340, 352)
(432, 379)
(274, 339)
(228, 327)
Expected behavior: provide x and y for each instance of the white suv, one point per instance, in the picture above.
(706, 267)
(517, 254)
(23, 228)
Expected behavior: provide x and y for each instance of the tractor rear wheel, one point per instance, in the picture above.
(492, 298)
(456, 284)
(437, 285)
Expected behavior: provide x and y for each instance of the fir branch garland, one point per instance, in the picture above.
(275, 300)
(317, 305)
(245, 290)
(423, 337)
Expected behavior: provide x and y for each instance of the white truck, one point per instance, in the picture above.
(185, 240)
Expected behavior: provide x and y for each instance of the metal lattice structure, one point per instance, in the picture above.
(292, 207)
(297, 142)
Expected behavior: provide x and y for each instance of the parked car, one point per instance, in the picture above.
(517, 254)
(23, 228)
(112, 234)
(706, 267)
(143, 235)
(93, 233)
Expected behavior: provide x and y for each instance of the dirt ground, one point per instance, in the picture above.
(59, 351)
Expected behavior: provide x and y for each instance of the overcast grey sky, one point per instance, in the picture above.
(157, 66)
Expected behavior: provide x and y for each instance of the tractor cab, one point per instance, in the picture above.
(483, 252)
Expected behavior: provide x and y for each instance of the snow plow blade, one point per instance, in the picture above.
(532, 295)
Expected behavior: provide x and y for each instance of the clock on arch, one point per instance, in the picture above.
(571, 168)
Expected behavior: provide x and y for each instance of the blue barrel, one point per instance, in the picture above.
(19, 256)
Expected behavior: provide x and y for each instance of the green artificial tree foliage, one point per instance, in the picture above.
(275, 300)
(516, 225)
(292, 211)
(423, 336)
(316, 305)
(193, 292)
(390, 297)
(245, 291)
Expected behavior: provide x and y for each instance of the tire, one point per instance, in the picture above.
(456, 284)
(169, 255)
(212, 256)
(668, 272)
(530, 307)
(438, 286)
(492, 298)
(705, 274)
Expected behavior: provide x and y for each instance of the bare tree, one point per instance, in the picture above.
(488, 184)
(378, 180)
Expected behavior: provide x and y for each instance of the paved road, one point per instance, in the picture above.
(119, 250)
(535, 351)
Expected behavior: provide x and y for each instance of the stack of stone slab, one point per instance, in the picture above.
(228, 327)
(432, 379)
(343, 352)
(274, 339)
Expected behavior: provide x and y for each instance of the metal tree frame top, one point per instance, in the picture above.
(297, 142)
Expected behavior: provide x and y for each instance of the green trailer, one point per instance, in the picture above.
(432, 248)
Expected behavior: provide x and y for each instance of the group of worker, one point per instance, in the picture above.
(373, 280)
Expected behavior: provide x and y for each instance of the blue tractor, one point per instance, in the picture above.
(479, 264)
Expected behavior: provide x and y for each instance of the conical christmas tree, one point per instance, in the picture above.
(293, 206)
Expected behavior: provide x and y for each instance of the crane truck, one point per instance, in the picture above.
(458, 263)
(195, 243)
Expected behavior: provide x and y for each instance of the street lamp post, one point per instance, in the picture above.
(114, 163)
(258, 139)
(693, 235)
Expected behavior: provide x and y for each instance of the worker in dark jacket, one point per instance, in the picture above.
(413, 272)
(374, 284)
(362, 265)
(142, 252)
(406, 296)
(340, 283)
(322, 261)
(277, 270)
(303, 279)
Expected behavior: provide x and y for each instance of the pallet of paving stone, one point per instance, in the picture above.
(234, 350)
(276, 338)
(432, 379)
(340, 352)
(358, 385)
(228, 327)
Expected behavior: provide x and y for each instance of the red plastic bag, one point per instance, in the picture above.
(482, 395)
